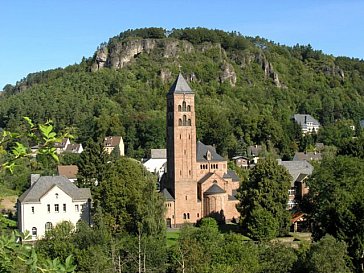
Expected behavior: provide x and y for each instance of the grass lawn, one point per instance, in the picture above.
(172, 236)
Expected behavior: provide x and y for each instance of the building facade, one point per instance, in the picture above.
(197, 183)
(49, 201)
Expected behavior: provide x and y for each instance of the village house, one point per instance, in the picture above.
(157, 163)
(49, 201)
(241, 161)
(114, 142)
(197, 183)
(69, 171)
(299, 171)
(307, 122)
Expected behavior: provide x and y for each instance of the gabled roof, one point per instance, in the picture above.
(307, 156)
(201, 152)
(167, 195)
(62, 144)
(158, 153)
(231, 174)
(112, 141)
(45, 183)
(73, 147)
(296, 168)
(254, 150)
(69, 171)
(205, 178)
(180, 86)
(214, 189)
(303, 119)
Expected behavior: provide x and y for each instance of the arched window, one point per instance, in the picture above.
(34, 231)
(180, 122)
(48, 226)
(184, 216)
(184, 106)
(217, 166)
(184, 120)
(189, 108)
(188, 216)
(189, 122)
(179, 108)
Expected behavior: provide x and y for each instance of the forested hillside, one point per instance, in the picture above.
(247, 90)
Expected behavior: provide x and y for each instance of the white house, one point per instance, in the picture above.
(307, 122)
(157, 163)
(49, 201)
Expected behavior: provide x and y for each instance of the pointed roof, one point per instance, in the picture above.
(180, 86)
(167, 195)
(45, 183)
(201, 153)
(214, 189)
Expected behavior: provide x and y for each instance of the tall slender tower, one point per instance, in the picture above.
(181, 151)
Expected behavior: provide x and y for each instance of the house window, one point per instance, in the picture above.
(48, 226)
(56, 195)
(77, 208)
(184, 216)
(64, 207)
(180, 122)
(34, 231)
(49, 208)
(188, 216)
(33, 210)
(188, 108)
(179, 108)
(186, 197)
(189, 122)
(183, 106)
(56, 207)
(198, 215)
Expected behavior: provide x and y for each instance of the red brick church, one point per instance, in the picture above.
(197, 183)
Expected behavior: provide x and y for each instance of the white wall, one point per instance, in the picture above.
(41, 215)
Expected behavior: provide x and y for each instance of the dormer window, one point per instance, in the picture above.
(208, 155)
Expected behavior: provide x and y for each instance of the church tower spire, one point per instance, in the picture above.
(181, 147)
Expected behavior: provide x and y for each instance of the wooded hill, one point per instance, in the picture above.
(247, 90)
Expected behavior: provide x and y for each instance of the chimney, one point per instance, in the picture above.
(305, 119)
(34, 178)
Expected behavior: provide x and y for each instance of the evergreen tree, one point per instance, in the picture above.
(92, 165)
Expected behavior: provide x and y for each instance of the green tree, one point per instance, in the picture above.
(263, 200)
(328, 256)
(92, 165)
(337, 199)
(128, 199)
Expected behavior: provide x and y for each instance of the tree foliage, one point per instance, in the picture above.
(263, 200)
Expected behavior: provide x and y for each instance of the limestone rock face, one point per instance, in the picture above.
(228, 74)
(268, 69)
(334, 70)
(166, 75)
(120, 54)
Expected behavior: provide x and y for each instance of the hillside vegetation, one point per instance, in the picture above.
(247, 90)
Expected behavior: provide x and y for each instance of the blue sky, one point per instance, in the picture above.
(38, 35)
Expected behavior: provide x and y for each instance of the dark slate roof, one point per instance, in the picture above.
(45, 183)
(254, 150)
(214, 189)
(232, 198)
(167, 195)
(232, 174)
(180, 86)
(307, 156)
(205, 177)
(303, 119)
(201, 151)
(295, 168)
(158, 153)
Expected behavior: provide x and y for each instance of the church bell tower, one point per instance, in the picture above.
(181, 150)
